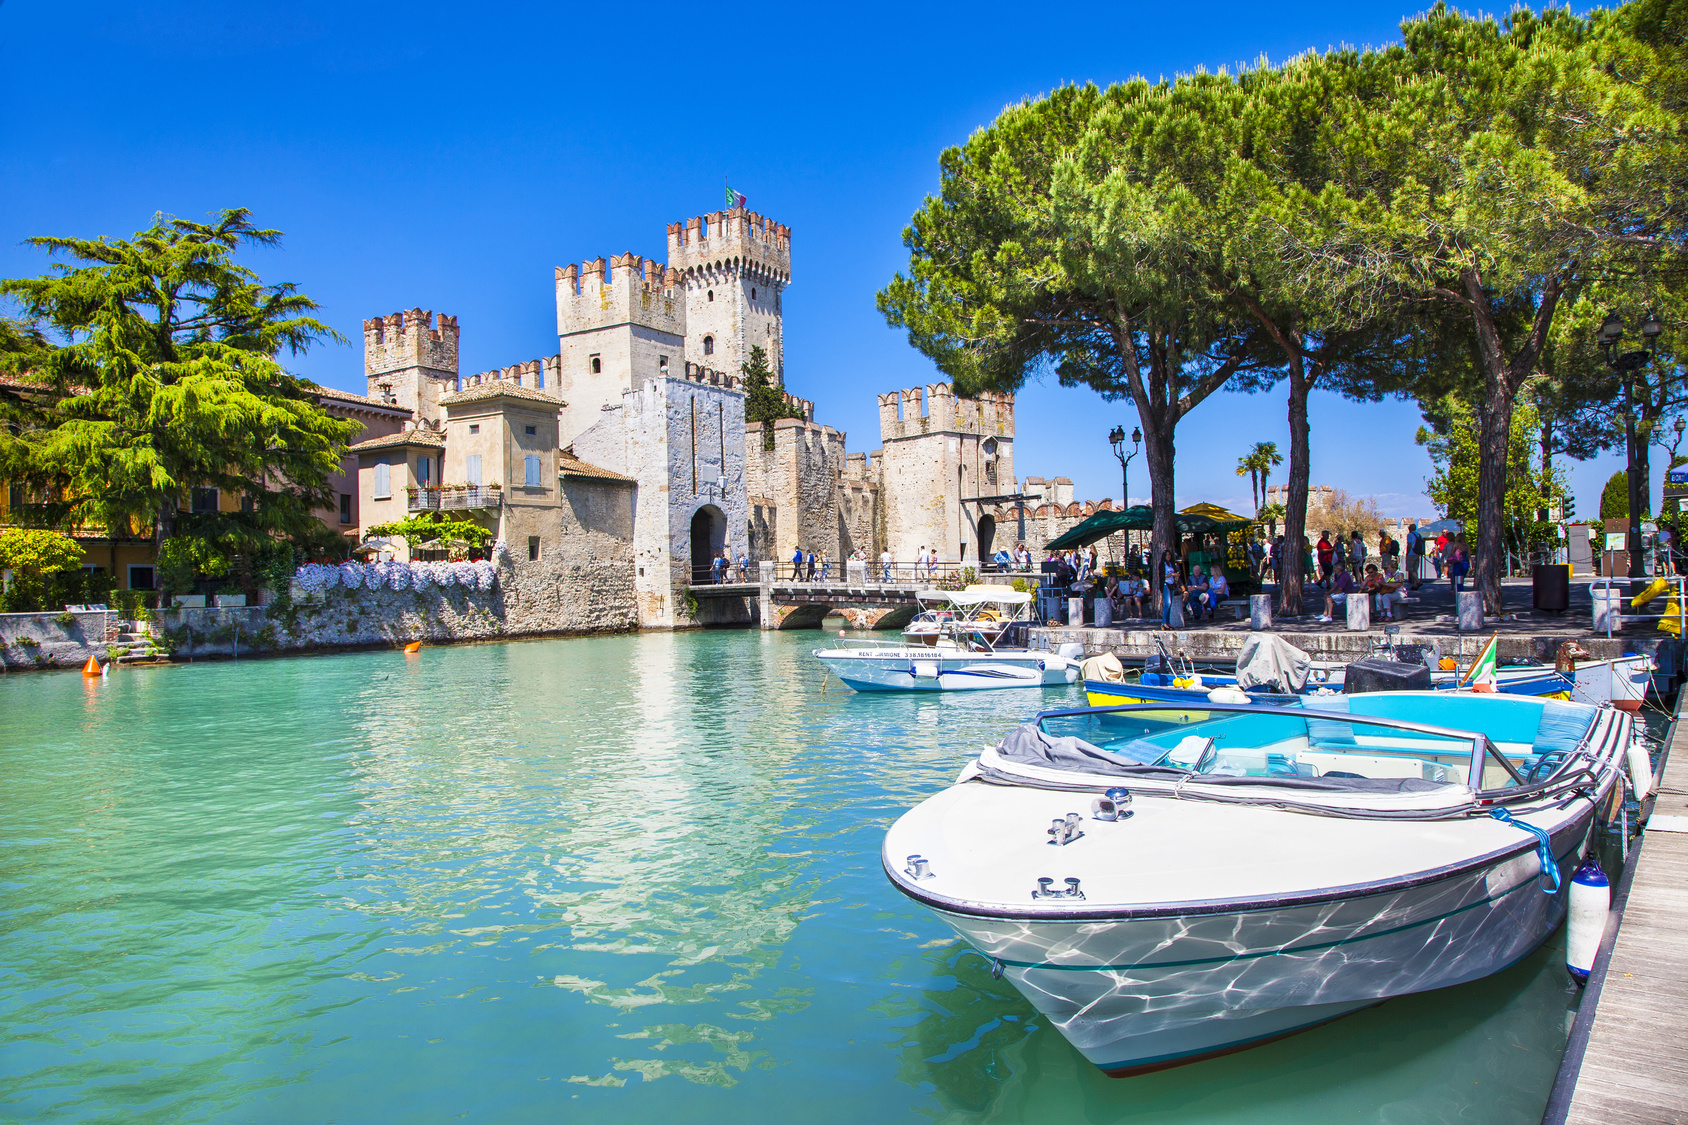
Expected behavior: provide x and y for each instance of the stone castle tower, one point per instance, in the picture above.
(735, 266)
(941, 454)
(410, 360)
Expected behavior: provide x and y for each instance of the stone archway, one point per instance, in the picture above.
(709, 538)
(987, 533)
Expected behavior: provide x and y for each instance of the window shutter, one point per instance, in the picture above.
(424, 471)
(474, 469)
(531, 463)
(383, 479)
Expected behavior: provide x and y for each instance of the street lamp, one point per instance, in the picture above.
(1626, 364)
(1116, 438)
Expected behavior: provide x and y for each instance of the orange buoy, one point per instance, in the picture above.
(413, 646)
(92, 668)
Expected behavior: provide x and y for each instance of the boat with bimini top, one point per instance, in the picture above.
(1169, 883)
(960, 659)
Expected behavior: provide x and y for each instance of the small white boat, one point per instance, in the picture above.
(958, 660)
(1168, 883)
(1621, 682)
(986, 609)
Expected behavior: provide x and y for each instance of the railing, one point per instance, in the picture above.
(904, 573)
(454, 499)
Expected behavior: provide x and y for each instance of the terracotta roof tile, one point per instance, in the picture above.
(360, 400)
(569, 465)
(404, 437)
(496, 389)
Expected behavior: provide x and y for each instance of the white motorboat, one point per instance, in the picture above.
(1621, 682)
(986, 609)
(960, 659)
(1168, 883)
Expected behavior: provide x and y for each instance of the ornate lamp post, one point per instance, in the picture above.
(1116, 438)
(1626, 364)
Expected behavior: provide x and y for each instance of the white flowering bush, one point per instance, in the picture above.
(351, 575)
(500, 553)
(464, 573)
(485, 574)
(317, 577)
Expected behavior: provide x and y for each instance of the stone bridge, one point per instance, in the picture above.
(802, 605)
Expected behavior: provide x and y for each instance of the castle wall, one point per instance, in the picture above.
(629, 355)
(683, 440)
(800, 477)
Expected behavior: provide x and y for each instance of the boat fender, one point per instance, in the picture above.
(1191, 682)
(923, 670)
(1547, 879)
(1591, 902)
(1640, 769)
(1072, 650)
(1227, 695)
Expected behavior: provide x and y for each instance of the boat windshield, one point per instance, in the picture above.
(1329, 742)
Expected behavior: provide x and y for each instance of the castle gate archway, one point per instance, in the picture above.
(709, 538)
(987, 533)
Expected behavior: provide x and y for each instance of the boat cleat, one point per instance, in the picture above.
(1046, 889)
(919, 867)
(1065, 831)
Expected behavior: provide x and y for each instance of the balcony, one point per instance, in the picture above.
(454, 499)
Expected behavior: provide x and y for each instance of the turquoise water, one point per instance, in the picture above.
(629, 878)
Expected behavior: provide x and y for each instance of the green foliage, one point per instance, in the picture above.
(1451, 438)
(764, 396)
(184, 560)
(38, 554)
(424, 526)
(67, 619)
(46, 570)
(152, 373)
(1614, 498)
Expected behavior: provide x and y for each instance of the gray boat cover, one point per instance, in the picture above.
(1270, 663)
(1028, 744)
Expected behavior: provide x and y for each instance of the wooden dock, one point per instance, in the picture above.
(1627, 1060)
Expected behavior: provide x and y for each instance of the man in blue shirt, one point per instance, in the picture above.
(797, 564)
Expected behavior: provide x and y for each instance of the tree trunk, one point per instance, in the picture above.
(1494, 426)
(1158, 452)
(164, 526)
(1292, 573)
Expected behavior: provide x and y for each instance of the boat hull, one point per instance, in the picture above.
(1137, 994)
(925, 669)
(1622, 682)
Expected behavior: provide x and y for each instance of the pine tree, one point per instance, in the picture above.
(764, 395)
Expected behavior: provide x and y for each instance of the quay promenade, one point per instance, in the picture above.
(1430, 619)
(1627, 1059)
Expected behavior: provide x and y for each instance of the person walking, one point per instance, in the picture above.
(743, 567)
(1459, 564)
(797, 564)
(1415, 550)
(1440, 555)
(811, 562)
(885, 565)
(718, 568)
(1357, 554)
(1170, 588)
(1327, 557)
(826, 566)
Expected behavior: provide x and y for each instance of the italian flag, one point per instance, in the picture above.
(735, 200)
(1481, 677)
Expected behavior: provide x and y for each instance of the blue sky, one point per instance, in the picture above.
(449, 156)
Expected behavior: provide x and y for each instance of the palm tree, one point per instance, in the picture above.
(1250, 466)
(1266, 457)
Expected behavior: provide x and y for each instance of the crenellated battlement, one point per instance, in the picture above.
(627, 289)
(937, 409)
(697, 373)
(535, 374)
(736, 242)
(403, 340)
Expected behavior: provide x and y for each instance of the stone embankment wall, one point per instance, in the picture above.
(51, 640)
(526, 602)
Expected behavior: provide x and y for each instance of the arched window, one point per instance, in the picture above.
(711, 295)
(753, 292)
(709, 345)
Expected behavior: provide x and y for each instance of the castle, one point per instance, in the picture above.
(621, 465)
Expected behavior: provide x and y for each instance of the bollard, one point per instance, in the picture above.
(1470, 604)
(1608, 607)
(856, 571)
(765, 572)
(1102, 615)
(1075, 612)
(1260, 611)
(1177, 611)
(1359, 613)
